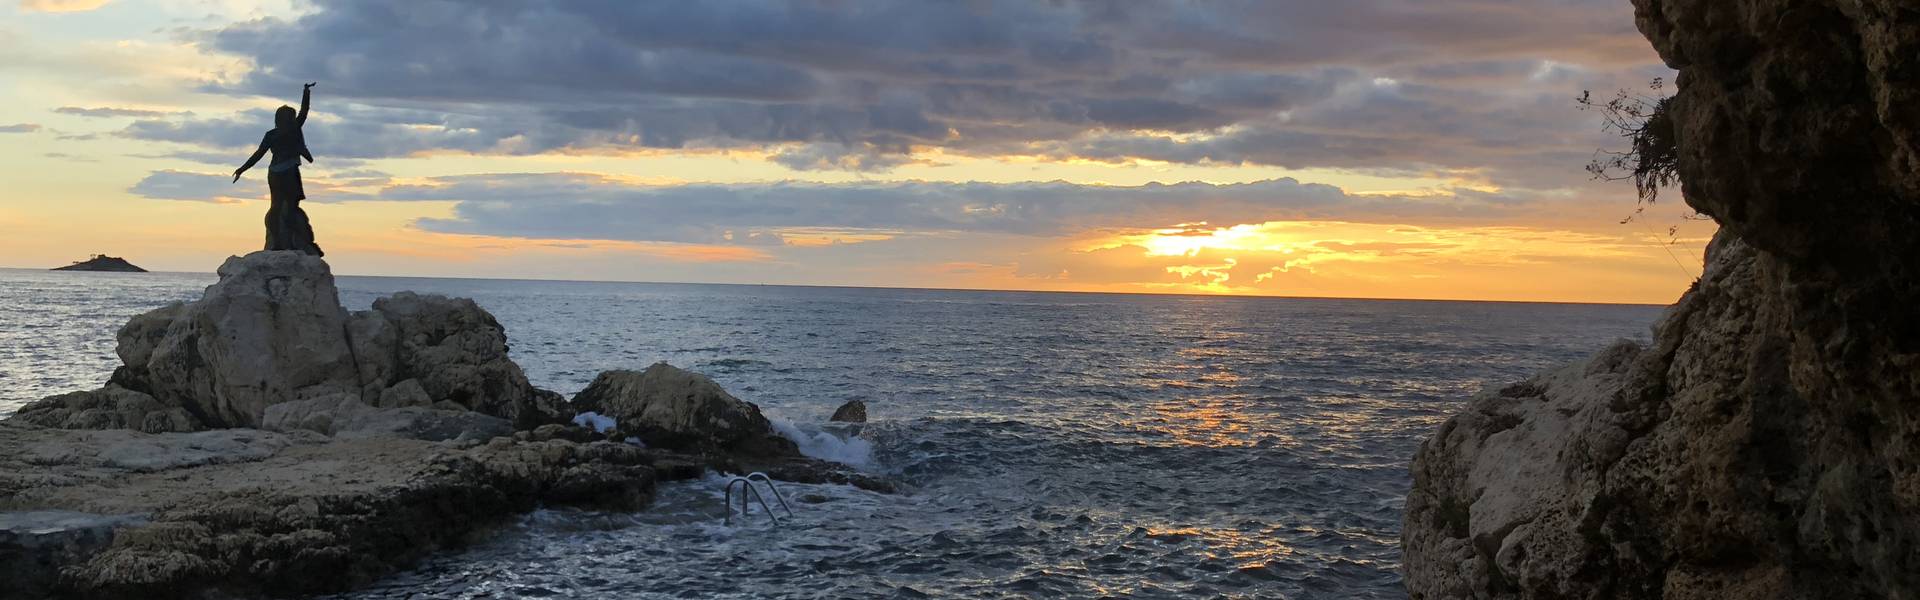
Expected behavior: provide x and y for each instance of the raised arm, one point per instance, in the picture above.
(306, 98)
(262, 151)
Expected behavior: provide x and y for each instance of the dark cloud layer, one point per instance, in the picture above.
(584, 206)
(861, 84)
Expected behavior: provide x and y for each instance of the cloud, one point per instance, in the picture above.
(60, 5)
(186, 185)
(211, 187)
(19, 128)
(840, 157)
(581, 206)
(864, 85)
(109, 112)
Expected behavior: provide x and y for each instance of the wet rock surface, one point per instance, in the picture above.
(854, 411)
(254, 512)
(672, 408)
(35, 544)
(1767, 443)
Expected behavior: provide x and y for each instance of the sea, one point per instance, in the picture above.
(1054, 445)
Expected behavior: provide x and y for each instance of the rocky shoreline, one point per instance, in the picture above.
(265, 441)
(1766, 444)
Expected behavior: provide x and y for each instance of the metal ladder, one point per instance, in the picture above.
(747, 489)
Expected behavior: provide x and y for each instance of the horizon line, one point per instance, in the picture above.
(933, 289)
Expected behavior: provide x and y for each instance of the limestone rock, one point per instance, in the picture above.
(405, 394)
(272, 332)
(35, 544)
(34, 459)
(244, 513)
(1767, 443)
(111, 407)
(854, 411)
(671, 408)
(419, 423)
(457, 351)
(344, 416)
(137, 340)
(269, 331)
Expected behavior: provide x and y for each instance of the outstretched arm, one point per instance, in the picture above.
(306, 98)
(251, 160)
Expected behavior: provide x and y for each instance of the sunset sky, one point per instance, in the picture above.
(1362, 148)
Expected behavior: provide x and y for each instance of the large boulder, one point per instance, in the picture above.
(1767, 443)
(271, 331)
(672, 408)
(447, 350)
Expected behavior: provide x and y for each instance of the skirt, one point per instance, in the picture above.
(285, 185)
(287, 225)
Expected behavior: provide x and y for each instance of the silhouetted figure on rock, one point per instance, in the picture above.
(287, 226)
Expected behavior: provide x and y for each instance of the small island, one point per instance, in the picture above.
(102, 262)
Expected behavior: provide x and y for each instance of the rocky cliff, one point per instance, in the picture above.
(1767, 443)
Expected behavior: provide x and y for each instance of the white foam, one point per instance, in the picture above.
(824, 445)
(593, 420)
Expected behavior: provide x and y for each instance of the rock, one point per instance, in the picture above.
(346, 417)
(854, 411)
(667, 407)
(455, 351)
(556, 432)
(102, 262)
(802, 469)
(1767, 443)
(424, 424)
(137, 341)
(112, 407)
(38, 459)
(35, 544)
(245, 513)
(272, 332)
(405, 394)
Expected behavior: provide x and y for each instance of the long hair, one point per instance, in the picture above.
(283, 118)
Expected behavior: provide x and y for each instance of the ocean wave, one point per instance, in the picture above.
(837, 444)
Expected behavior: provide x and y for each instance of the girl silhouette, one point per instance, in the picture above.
(287, 225)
